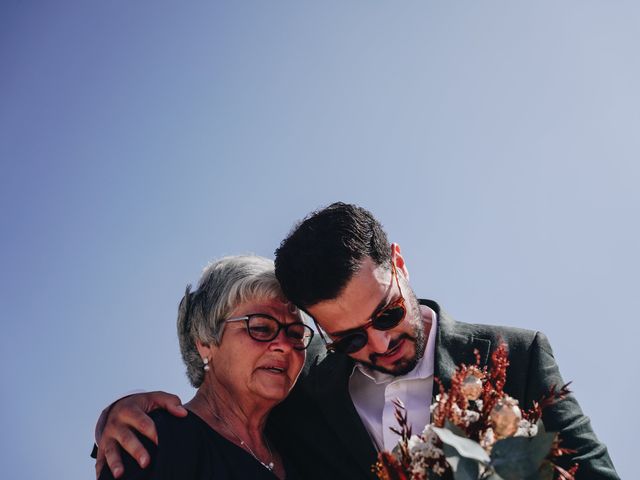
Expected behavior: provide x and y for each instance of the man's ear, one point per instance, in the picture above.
(398, 260)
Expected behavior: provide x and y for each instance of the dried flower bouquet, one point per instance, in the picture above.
(477, 431)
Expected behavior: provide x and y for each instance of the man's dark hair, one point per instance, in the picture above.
(322, 252)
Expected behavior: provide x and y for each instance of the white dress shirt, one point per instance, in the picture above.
(373, 392)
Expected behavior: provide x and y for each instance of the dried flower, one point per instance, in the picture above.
(505, 417)
(471, 387)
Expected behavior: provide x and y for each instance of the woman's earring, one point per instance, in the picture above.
(206, 364)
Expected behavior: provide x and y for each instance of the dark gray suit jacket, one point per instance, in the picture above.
(319, 429)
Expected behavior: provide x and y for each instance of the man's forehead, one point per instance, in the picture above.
(369, 274)
(357, 302)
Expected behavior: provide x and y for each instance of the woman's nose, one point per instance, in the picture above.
(281, 342)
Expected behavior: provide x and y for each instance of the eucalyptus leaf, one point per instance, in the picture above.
(540, 446)
(545, 472)
(493, 476)
(465, 447)
(463, 468)
(452, 427)
(540, 426)
(512, 458)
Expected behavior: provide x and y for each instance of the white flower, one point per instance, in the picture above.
(427, 444)
(414, 443)
(487, 440)
(526, 429)
(466, 416)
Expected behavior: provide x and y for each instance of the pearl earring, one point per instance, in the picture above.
(206, 364)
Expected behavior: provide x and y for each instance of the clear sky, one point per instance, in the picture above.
(497, 142)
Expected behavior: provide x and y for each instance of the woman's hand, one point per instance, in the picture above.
(125, 417)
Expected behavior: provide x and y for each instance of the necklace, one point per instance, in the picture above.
(269, 466)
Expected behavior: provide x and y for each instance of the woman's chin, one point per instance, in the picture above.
(273, 387)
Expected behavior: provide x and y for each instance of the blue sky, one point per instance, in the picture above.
(496, 141)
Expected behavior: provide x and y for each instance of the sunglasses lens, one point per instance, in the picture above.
(389, 318)
(351, 343)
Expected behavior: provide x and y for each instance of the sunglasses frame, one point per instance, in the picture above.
(362, 330)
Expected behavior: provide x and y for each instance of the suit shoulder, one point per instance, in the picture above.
(517, 339)
(449, 325)
(508, 334)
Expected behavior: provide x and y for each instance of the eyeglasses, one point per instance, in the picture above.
(264, 328)
(386, 319)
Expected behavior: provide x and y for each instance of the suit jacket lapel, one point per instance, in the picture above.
(455, 344)
(331, 391)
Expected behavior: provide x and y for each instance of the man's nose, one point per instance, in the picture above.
(378, 340)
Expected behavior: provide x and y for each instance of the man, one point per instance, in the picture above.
(384, 344)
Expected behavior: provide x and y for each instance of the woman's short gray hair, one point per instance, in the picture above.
(224, 284)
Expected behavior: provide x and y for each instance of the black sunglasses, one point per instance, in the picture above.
(264, 328)
(386, 319)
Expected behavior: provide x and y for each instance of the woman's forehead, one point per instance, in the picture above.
(274, 306)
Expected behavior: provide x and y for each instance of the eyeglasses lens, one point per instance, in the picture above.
(299, 335)
(262, 328)
(265, 329)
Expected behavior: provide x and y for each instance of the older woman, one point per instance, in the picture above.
(244, 346)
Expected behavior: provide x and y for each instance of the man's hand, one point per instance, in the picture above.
(124, 418)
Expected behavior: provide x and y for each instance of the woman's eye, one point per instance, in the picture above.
(261, 329)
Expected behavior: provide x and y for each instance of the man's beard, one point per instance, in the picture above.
(403, 366)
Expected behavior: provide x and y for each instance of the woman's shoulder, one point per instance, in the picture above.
(180, 443)
(182, 437)
(176, 428)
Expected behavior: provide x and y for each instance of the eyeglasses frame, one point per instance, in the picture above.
(281, 326)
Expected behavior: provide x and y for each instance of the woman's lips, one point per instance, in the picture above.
(277, 367)
(274, 370)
